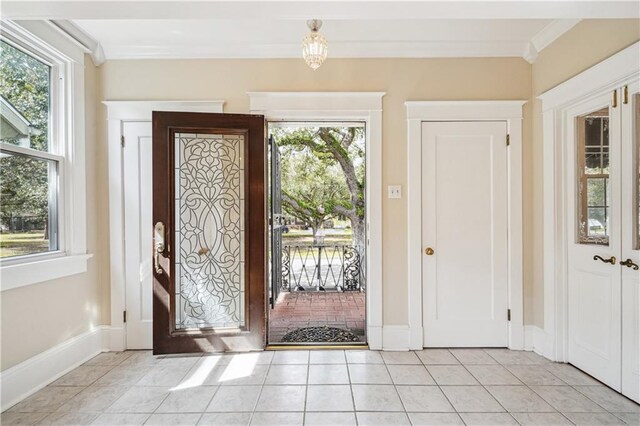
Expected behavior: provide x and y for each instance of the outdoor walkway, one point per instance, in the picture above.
(309, 308)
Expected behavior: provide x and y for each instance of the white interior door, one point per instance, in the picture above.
(464, 222)
(594, 286)
(138, 233)
(630, 253)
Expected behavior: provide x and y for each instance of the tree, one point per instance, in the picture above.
(305, 196)
(24, 82)
(330, 180)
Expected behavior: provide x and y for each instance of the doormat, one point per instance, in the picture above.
(320, 334)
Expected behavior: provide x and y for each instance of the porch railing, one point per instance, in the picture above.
(323, 267)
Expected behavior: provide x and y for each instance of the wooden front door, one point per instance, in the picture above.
(209, 232)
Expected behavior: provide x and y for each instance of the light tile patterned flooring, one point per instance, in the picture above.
(429, 387)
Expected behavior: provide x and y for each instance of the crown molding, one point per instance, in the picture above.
(92, 46)
(552, 32)
(383, 49)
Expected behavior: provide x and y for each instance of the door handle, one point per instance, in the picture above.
(158, 238)
(611, 260)
(629, 264)
(429, 251)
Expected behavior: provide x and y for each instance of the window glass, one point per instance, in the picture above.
(593, 177)
(28, 180)
(28, 207)
(25, 91)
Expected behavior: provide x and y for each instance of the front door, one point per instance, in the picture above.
(464, 222)
(209, 226)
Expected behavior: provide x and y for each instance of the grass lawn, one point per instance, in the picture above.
(305, 237)
(22, 243)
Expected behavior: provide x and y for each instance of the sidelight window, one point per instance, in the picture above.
(593, 174)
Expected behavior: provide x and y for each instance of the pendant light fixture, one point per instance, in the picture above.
(314, 45)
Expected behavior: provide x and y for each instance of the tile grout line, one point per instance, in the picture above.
(455, 410)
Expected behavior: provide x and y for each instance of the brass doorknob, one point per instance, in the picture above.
(428, 251)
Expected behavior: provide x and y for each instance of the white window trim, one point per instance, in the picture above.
(345, 106)
(68, 139)
(509, 112)
(613, 73)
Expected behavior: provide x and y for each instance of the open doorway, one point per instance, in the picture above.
(317, 235)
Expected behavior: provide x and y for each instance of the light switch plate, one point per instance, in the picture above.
(395, 191)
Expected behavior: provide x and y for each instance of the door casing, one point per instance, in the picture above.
(607, 78)
(613, 73)
(340, 107)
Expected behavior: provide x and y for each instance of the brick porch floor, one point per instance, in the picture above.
(308, 309)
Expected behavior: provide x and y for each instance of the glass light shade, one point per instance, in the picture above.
(314, 49)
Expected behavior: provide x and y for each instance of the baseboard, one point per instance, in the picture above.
(374, 337)
(395, 338)
(416, 338)
(116, 339)
(24, 379)
(538, 340)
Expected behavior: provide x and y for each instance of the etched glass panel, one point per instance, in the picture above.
(593, 177)
(209, 215)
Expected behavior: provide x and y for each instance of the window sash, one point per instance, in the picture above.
(56, 135)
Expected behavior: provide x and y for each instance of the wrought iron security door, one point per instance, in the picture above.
(277, 224)
(209, 216)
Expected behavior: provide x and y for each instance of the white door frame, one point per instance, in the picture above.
(345, 106)
(119, 112)
(619, 70)
(511, 113)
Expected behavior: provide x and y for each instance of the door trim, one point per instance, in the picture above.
(617, 71)
(511, 113)
(345, 106)
(119, 112)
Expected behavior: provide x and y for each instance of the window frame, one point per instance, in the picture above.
(46, 43)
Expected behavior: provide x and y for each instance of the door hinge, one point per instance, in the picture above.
(508, 314)
(508, 140)
(122, 140)
(124, 316)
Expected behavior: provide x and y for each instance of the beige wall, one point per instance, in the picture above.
(401, 79)
(37, 317)
(585, 45)
(40, 316)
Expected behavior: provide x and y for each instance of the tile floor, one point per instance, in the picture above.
(429, 387)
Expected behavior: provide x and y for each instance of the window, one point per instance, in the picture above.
(43, 233)
(28, 171)
(593, 171)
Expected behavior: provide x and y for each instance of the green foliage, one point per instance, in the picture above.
(323, 170)
(24, 82)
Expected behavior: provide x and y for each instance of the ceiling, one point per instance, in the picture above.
(356, 28)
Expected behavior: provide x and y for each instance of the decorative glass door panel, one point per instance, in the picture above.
(209, 211)
(209, 232)
(593, 169)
